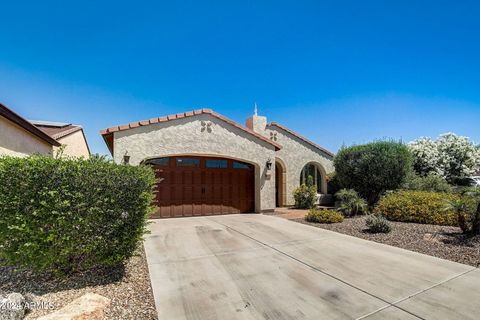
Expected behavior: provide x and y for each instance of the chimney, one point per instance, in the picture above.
(257, 123)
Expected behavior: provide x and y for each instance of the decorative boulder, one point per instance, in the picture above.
(12, 307)
(90, 306)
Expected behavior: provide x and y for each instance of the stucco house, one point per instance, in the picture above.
(21, 137)
(208, 164)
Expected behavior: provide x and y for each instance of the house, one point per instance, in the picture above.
(208, 164)
(70, 136)
(21, 137)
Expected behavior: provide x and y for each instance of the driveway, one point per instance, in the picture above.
(254, 266)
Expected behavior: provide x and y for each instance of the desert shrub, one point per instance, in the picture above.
(65, 215)
(377, 224)
(430, 182)
(417, 206)
(306, 195)
(333, 185)
(371, 169)
(451, 156)
(324, 216)
(350, 203)
(467, 208)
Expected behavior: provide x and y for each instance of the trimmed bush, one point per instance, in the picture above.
(324, 216)
(417, 206)
(377, 224)
(65, 215)
(430, 182)
(371, 169)
(349, 203)
(305, 195)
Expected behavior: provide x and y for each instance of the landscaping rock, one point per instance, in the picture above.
(90, 306)
(12, 307)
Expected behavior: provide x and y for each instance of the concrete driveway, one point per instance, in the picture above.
(262, 267)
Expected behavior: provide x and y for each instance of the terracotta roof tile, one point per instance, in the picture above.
(109, 131)
(275, 124)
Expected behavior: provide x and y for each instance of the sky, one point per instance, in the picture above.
(337, 72)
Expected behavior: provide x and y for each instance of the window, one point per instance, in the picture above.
(241, 165)
(311, 170)
(188, 162)
(164, 162)
(216, 163)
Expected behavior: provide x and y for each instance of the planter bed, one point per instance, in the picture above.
(128, 287)
(439, 241)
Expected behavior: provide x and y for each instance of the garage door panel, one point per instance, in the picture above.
(198, 190)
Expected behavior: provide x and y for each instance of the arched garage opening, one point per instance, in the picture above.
(202, 185)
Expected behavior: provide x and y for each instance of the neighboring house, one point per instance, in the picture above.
(208, 164)
(70, 136)
(21, 137)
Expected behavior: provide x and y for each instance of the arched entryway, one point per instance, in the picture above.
(280, 183)
(202, 185)
(318, 175)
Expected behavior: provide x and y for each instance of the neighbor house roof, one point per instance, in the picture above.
(59, 130)
(56, 130)
(275, 124)
(108, 133)
(27, 125)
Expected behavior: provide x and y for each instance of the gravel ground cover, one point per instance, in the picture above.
(439, 241)
(127, 286)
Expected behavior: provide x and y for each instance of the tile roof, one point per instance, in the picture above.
(27, 125)
(275, 124)
(109, 141)
(59, 132)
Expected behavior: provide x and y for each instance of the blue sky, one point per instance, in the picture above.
(337, 72)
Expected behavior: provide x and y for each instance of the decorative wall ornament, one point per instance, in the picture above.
(273, 136)
(206, 125)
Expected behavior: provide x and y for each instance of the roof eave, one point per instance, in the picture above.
(25, 124)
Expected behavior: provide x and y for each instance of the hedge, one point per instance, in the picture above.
(418, 206)
(373, 168)
(66, 215)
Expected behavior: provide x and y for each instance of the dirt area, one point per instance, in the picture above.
(127, 286)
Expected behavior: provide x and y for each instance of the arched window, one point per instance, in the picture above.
(311, 170)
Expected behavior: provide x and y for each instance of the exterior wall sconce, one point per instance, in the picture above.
(126, 158)
(268, 167)
(269, 164)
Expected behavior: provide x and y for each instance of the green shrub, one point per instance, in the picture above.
(430, 182)
(333, 185)
(65, 215)
(417, 206)
(324, 216)
(467, 209)
(349, 203)
(371, 169)
(377, 224)
(306, 195)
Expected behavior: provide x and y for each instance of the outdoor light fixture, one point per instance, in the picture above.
(269, 164)
(126, 158)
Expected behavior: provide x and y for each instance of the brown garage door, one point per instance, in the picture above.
(198, 186)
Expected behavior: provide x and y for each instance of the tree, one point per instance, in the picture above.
(373, 168)
(450, 156)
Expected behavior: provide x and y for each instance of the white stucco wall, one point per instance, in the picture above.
(75, 145)
(295, 154)
(16, 141)
(187, 136)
